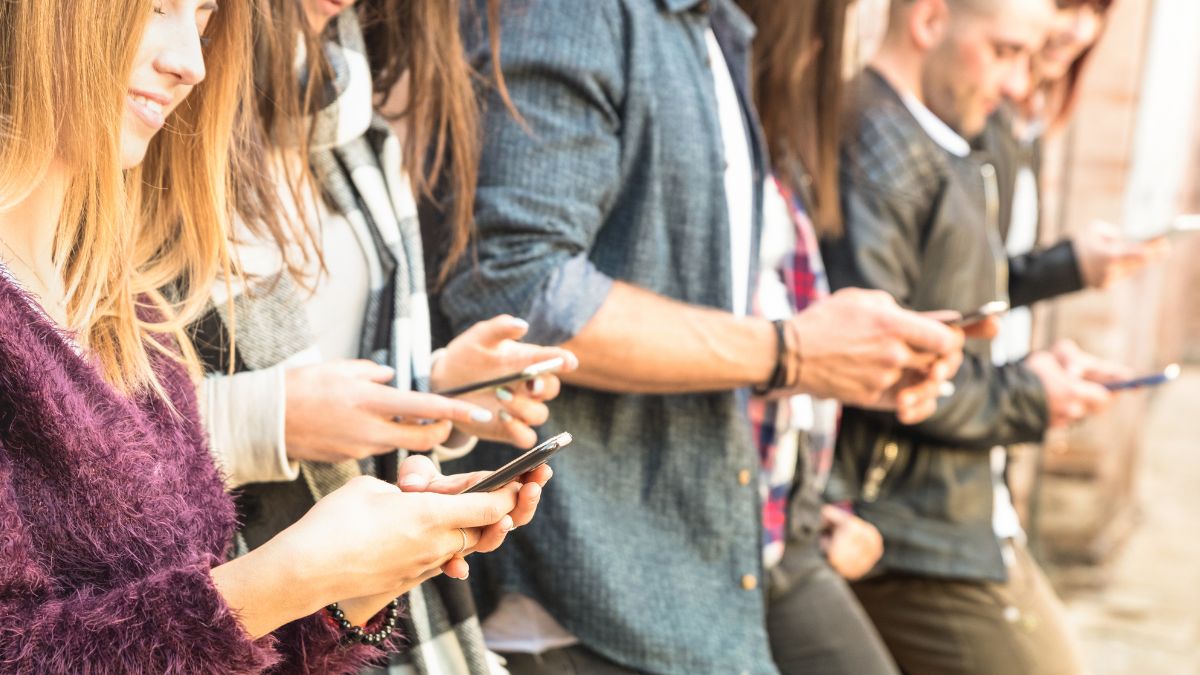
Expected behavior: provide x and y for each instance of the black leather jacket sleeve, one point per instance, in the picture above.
(1043, 274)
(895, 245)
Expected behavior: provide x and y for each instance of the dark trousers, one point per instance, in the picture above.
(814, 622)
(947, 627)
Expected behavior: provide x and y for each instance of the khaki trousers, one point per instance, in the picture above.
(945, 627)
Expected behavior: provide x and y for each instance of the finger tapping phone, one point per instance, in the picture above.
(993, 308)
(1169, 373)
(521, 465)
(530, 372)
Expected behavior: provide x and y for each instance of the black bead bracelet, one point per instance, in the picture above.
(357, 634)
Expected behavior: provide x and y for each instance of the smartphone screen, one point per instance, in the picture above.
(522, 465)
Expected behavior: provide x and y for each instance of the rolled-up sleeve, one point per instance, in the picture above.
(547, 181)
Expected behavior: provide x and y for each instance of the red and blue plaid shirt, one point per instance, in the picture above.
(777, 424)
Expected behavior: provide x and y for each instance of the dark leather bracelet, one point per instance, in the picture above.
(780, 373)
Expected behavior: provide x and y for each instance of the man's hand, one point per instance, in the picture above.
(1069, 397)
(1106, 257)
(851, 544)
(861, 348)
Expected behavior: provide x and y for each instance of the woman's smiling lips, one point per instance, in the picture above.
(149, 107)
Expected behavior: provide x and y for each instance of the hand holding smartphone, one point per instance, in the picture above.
(521, 465)
(530, 372)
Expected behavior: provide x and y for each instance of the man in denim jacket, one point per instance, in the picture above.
(620, 217)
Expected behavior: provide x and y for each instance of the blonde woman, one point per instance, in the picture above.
(113, 522)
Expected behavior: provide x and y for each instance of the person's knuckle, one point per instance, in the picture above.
(491, 512)
(895, 355)
(881, 380)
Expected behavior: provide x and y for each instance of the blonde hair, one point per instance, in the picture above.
(123, 238)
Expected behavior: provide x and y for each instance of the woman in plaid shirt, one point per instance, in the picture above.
(809, 548)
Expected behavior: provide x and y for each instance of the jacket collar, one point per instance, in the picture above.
(935, 128)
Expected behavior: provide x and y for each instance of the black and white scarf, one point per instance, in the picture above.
(357, 163)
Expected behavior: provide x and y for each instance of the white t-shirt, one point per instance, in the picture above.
(739, 175)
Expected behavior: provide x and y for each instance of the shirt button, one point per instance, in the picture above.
(744, 477)
(749, 582)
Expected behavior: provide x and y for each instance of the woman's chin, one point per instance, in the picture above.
(132, 154)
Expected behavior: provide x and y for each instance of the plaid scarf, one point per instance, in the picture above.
(356, 161)
(778, 425)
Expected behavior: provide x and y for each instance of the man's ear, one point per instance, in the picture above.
(928, 23)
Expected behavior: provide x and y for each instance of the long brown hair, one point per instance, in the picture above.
(121, 235)
(1064, 94)
(799, 54)
(412, 43)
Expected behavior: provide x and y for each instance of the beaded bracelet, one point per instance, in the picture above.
(358, 633)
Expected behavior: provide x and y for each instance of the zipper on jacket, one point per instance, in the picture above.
(881, 464)
(991, 197)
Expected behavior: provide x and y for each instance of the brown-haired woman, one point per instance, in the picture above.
(113, 521)
(814, 622)
(331, 363)
(1099, 255)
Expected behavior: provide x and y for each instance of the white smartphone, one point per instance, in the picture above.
(1179, 225)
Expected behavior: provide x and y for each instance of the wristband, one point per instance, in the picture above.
(779, 376)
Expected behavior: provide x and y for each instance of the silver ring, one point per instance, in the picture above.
(464, 544)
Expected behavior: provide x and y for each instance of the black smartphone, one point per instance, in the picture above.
(540, 368)
(522, 465)
(993, 308)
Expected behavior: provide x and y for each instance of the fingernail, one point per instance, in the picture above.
(537, 386)
(946, 389)
(504, 416)
(480, 415)
(506, 524)
(412, 481)
(504, 394)
(518, 323)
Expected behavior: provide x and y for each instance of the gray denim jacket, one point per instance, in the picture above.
(645, 541)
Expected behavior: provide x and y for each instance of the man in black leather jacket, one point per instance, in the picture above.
(955, 591)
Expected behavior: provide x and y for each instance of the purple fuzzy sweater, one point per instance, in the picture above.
(111, 516)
